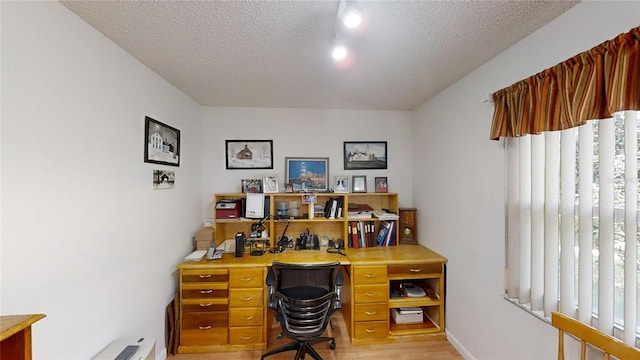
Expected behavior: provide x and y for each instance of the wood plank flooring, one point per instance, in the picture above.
(409, 350)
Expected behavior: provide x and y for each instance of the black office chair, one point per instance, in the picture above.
(303, 298)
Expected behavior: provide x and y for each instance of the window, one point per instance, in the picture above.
(573, 239)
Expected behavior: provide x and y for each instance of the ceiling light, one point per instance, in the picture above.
(339, 51)
(352, 18)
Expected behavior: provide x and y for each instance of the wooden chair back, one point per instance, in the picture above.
(586, 334)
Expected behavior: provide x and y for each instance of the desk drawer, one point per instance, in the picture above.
(205, 293)
(371, 329)
(204, 321)
(414, 270)
(371, 294)
(365, 275)
(245, 335)
(209, 336)
(246, 297)
(245, 317)
(205, 275)
(370, 312)
(246, 278)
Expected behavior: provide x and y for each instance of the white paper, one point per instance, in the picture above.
(255, 206)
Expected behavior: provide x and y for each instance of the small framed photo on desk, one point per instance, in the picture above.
(359, 184)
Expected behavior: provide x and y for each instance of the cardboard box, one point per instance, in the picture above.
(205, 234)
(407, 315)
(203, 244)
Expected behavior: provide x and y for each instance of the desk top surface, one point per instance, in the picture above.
(402, 254)
(12, 324)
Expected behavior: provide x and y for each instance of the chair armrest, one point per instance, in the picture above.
(270, 281)
(339, 283)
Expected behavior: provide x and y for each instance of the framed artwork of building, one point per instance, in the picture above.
(161, 143)
(249, 154)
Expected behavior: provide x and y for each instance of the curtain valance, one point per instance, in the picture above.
(591, 85)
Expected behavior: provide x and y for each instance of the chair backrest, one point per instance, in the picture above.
(305, 296)
(304, 319)
(586, 334)
(315, 275)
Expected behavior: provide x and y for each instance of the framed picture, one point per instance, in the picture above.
(251, 185)
(362, 155)
(163, 179)
(249, 154)
(341, 184)
(359, 184)
(270, 183)
(161, 143)
(307, 174)
(288, 188)
(381, 184)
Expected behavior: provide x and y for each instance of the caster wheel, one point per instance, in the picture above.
(332, 345)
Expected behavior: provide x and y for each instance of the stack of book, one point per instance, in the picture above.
(333, 208)
(360, 211)
(385, 215)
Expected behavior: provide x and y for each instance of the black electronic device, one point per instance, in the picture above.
(307, 241)
(241, 238)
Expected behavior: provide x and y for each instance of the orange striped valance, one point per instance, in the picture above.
(590, 85)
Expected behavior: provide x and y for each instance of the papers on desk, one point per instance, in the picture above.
(196, 255)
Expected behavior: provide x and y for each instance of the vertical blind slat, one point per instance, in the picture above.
(567, 205)
(537, 222)
(631, 227)
(552, 206)
(525, 219)
(585, 191)
(513, 230)
(606, 150)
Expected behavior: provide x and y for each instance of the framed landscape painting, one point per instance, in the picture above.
(307, 174)
(249, 154)
(161, 143)
(363, 155)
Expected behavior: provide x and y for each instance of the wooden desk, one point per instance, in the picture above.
(223, 303)
(15, 334)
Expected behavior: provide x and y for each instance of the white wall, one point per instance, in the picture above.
(85, 238)
(304, 133)
(461, 193)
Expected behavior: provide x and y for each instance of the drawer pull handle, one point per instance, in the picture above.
(245, 337)
(370, 331)
(247, 317)
(207, 327)
(206, 291)
(246, 279)
(371, 294)
(248, 298)
(414, 270)
(205, 305)
(370, 276)
(370, 312)
(205, 276)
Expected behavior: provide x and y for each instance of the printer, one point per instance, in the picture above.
(228, 209)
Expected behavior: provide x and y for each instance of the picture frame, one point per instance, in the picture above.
(381, 184)
(270, 183)
(161, 143)
(341, 184)
(307, 174)
(251, 186)
(288, 188)
(365, 155)
(359, 184)
(249, 154)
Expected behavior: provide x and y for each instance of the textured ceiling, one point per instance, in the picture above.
(277, 53)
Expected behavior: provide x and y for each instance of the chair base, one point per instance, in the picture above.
(302, 347)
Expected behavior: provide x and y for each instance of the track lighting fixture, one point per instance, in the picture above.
(349, 15)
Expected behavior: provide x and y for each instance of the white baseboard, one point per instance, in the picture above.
(456, 344)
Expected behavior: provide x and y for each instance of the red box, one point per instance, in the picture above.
(228, 210)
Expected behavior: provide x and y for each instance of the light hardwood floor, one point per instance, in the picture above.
(414, 350)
